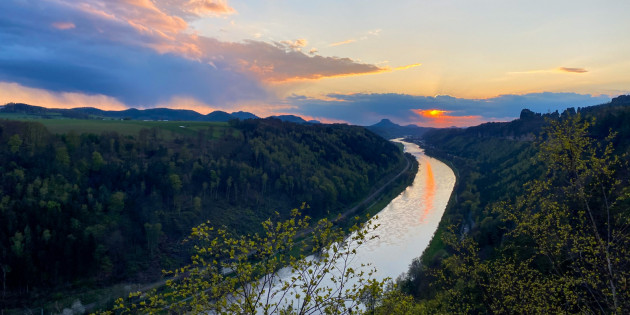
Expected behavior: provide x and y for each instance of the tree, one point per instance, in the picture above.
(153, 233)
(242, 274)
(14, 143)
(567, 245)
(117, 202)
(61, 155)
(176, 183)
(576, 219)
(97, 161)
(197, 204)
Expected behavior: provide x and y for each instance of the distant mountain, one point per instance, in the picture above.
(218, 115)
(132, 113)
(389, 130)
(244, 115)
(156, 114)
(295, 119)
(25, 109)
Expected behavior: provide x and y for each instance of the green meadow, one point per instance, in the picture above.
(124, 127)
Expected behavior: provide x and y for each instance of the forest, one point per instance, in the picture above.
(85, 209)
(538, 221)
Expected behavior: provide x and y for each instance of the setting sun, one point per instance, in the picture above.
(436, 112)
(432, 113)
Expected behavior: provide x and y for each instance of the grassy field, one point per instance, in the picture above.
(124, 127)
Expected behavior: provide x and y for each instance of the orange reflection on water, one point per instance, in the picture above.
(429, 191)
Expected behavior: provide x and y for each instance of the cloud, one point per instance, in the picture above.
(13, 92)
(572, 70)
(207, 7)
(63, 25)
(408, 66)
(139, 53)
(164, 33)
(375, 32)
(297, 44)
(555, 70)
(367, 35)
(271, 63)
(367, 109)
(103, 56)
(143, 15)
(342, 42)
(312, 51)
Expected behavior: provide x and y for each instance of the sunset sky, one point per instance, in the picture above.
(432, 63)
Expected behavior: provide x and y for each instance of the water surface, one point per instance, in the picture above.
(408, 222)
(406, 225)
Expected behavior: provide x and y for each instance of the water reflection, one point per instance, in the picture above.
(429, 192)
(407, 224)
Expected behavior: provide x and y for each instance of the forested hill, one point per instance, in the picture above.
(20, 110)
(389, 130)
(530, 225)
(613, 115)
(101, 208)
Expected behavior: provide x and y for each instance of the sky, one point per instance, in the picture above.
(426, 62)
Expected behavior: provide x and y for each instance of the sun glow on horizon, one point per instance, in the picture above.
(441, 119)
(434, 112)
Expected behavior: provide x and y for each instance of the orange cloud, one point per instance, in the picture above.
(209, 7)
(408, 66)
(440, 119)
(274, 64)
(342, 43)
(63, 25)
(13, 92)
(297, 44)
(142, 15)
(279, 78)
(162, 26)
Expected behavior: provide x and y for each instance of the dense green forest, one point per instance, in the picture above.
(82, 209)
(538, 221)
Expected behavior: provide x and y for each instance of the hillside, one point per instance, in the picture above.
(25, 111)
(499, 167)
(389, 130)
(92, 209)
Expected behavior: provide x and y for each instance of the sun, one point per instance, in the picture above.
(435, 112)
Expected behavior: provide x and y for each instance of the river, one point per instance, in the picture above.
(406, 224)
